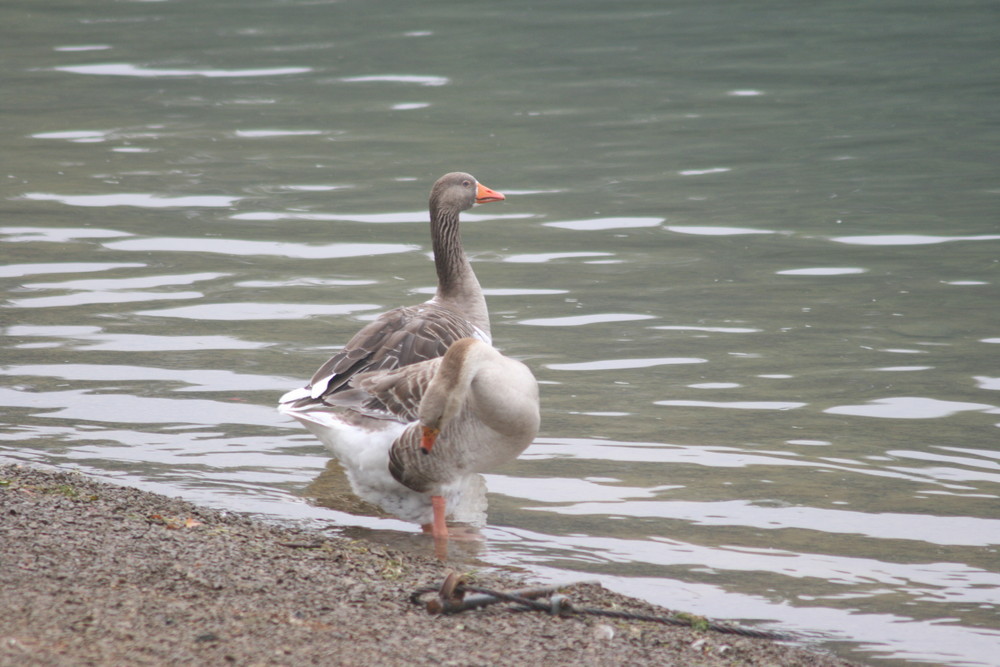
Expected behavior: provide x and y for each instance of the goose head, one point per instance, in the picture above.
(458, 191)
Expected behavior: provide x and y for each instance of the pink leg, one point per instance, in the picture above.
(440, 528)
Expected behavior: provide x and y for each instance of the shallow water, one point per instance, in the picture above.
(751, 253)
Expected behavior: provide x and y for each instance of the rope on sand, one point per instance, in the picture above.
(452, 599)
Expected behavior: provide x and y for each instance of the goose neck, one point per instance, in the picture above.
(456, 279)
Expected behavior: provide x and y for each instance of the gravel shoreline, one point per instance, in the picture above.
(97, 574)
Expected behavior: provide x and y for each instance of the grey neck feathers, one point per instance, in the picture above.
(457, 282)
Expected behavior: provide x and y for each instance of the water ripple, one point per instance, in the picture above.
(543, 257)
(195, 380)
(234, 312)
(940, 530)
(622, 364)
(57, 234)
(128, 69)
(259, 134)
(237, 247)
(735, 405)
(94, 338)
(909, 239)
(568, 490)
(93, 298)
(22, 270)
(822, 271)
(985, 382)
(682, 327)
(701, 230)
(83, 406)
(600, 224)
(910, 407)
(703, 172)
(143, 282)
(399, 78)
(581, 320)
(140, 200)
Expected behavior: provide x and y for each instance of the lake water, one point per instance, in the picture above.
(750, 251)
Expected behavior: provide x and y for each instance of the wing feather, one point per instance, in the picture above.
(397, 392)
(398, 338)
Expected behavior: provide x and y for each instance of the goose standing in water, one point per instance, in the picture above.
(413, 439)
(405, 335)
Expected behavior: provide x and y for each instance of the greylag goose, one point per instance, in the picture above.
(410, 334)
(413, 439)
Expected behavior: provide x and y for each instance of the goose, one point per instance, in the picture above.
(414, 439)
(410, 334)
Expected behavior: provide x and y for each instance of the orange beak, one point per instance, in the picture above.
(428, 438)
(485, 195)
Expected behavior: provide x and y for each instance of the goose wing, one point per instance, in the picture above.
(398, 338)
(397, 392)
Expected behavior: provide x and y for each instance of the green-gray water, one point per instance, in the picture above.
(750, 250)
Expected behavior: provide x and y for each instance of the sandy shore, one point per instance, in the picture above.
(97, 574)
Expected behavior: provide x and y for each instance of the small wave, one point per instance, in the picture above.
(581, 320)
(128, 69)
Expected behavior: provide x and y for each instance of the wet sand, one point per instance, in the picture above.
(97, 574)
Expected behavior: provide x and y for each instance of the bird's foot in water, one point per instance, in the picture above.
(458, 532)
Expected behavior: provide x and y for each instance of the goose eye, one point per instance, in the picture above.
(467, 184)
